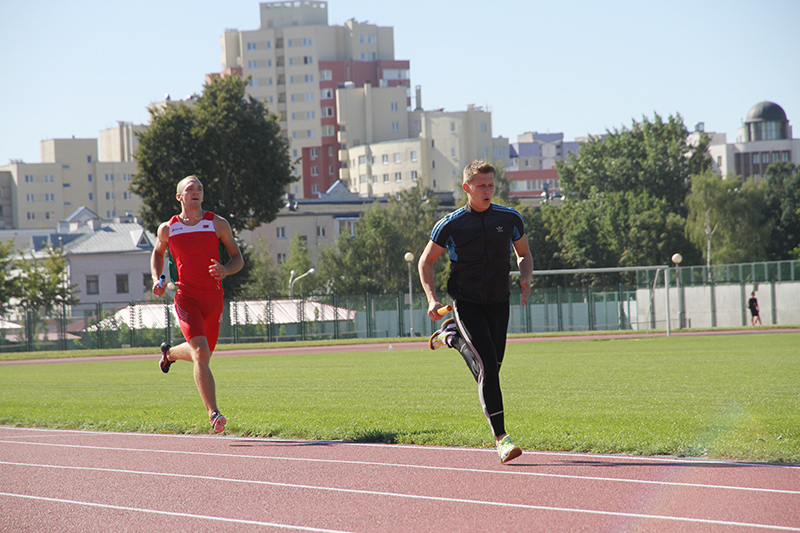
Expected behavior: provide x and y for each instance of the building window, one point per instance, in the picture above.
(315, 189)
(146, 281)
(395, 126)
(483, 127)
(30, 198)
(281, 232)
(322, 232)
(393, 106)
(281, 259)
(326, 94)
(397, 158)
(92, 285)
(91, 178)
(29, 178)
(398, 176)
(122, 284)
(315, 171)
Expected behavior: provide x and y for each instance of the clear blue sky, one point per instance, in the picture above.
(579, 67)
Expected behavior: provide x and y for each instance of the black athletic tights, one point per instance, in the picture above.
(482, 344)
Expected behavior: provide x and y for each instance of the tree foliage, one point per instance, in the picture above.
(372, 259)
(782, 195)
(263, 278)
(728, 220)
(625, 198)
(231, 142)
(41, 284)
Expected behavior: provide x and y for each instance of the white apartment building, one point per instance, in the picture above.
(71, 175)
(385, 149)
(763, 139)
(296, 62)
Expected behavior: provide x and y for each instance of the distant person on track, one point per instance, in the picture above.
(479, 238)
(752, 303)
(193, 238)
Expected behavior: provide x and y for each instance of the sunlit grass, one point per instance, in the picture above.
(722, 396)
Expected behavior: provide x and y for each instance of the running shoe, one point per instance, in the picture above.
(443, 334)
(507, 450)
(218, 421)
(165, 363)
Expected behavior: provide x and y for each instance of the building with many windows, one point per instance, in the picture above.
(71, 175)
(763, 139)
(385, 149)
(296, 62)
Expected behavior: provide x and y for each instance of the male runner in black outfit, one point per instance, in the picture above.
(479, 238)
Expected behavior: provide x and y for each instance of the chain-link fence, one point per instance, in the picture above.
(696, 297)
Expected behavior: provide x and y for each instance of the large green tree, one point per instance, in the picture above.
(372, 259)
(625, 196)
(230, 141)
(728, 220)
(782, 193)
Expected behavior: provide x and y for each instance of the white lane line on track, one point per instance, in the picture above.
(414, 497)
(632, 458)
(409, 466)
(170, 513)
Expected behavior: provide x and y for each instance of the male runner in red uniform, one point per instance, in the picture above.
(193, 239)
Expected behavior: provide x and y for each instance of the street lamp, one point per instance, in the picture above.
(293, 280)
(409, 257)
(677, 258)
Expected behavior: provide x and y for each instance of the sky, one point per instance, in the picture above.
(574, 67)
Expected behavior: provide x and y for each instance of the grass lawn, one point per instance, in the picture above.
(720, 396)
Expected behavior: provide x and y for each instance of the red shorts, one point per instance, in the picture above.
(200, 314)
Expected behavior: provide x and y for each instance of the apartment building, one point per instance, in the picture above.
(385, 149)
(764, 138)
(296, 61)
(71, 175)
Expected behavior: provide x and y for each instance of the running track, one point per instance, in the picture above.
(65, 480)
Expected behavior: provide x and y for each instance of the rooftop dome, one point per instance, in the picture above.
(766, 112)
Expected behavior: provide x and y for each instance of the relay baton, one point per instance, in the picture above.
(162, 280)
(444, 310)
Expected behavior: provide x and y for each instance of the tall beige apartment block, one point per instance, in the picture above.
(386, 149)
(71, 176)
(295, 62)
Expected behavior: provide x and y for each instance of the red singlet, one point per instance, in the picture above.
(198, 301)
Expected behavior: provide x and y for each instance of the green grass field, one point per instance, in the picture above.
(719, 396)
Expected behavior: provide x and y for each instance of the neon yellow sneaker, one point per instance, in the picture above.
(441, 335)
(507, 450)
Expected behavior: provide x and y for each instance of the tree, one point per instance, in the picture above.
(782, 195)
(650, 157)
(263, 280)
(728, 220)
(9, 287)
(299, 261)
(232, 143)
(625, 196)
(43, 283)
(372, 259)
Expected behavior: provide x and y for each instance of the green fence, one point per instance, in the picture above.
(697, 297)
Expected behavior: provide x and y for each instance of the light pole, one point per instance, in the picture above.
(293, 280)
(677, 258)
(409, 257)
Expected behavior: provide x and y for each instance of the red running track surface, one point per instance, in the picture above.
(64, 480)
